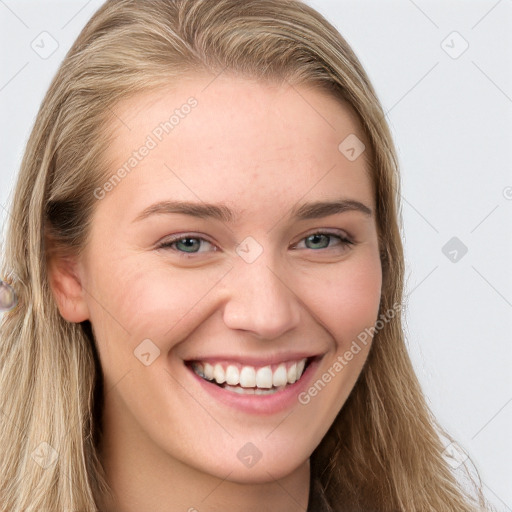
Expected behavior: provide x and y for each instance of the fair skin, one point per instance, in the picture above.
(172, 440)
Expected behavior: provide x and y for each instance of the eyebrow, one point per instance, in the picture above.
(224, 214)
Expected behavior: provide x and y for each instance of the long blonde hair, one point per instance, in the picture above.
(384, 451)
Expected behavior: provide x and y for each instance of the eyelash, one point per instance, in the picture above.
(168, 244)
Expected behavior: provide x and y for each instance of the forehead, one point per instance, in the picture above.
(234, 140)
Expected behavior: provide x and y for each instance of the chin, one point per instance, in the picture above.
(265, 470)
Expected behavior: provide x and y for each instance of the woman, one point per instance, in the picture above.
(181, 342)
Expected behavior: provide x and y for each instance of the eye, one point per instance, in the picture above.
(189, 244)
(322, 240)
(185, 244)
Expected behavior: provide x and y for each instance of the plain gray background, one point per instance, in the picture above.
(443, 73)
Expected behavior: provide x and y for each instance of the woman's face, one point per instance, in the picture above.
(266, 279)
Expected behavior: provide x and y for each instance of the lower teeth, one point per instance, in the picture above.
(251, 391)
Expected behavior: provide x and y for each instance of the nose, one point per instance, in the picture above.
(261, 301)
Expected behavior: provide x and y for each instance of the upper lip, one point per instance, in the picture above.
(255, 360)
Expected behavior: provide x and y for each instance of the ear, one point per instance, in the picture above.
(67, 289)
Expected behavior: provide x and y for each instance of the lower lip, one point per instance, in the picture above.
(260, 404)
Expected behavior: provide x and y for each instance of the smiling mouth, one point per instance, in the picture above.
(251, 380)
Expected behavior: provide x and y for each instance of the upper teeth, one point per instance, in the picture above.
(249, 376)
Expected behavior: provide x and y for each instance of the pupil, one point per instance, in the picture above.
(188, 243)
(315, 239)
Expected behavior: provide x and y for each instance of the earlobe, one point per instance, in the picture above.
(67, 289)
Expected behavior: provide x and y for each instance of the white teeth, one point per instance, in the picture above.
(259, 391)
(232, 375)
(240, 390)
(292, 373)
(264, 377)
(218, 374)
(250, 391)
(248, 378)
(280, 377)
(300, 368)
(208, 371)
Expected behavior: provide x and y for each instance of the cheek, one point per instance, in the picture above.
(347, 305)
(140, 303)
(153, 301)
(346, 296)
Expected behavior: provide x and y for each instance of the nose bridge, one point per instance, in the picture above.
(260, 299)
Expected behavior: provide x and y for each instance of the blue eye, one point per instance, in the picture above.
(186, 245)
(324, 239)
